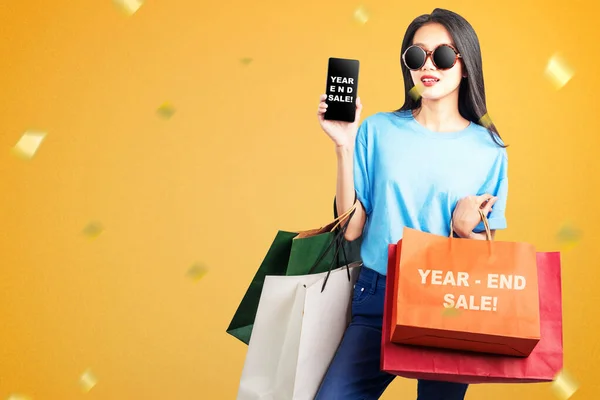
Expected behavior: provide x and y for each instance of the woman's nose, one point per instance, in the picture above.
(428, 62)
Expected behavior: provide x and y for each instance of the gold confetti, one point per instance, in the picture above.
(568, 237)
(197, 272)
(567, 246)
(485, 121)
(93, 230)
(361, 15)
(246, 60)
(416, 91)
(558, 71)
(128, 7)
(564, 386)
(14, 396)
(28, 145)
(87, 381)
(166, 110)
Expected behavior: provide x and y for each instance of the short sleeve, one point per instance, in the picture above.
(362, 180)
(497, 185)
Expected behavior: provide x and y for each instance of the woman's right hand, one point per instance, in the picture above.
(342, 133)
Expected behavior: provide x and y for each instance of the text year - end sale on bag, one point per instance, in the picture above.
(472, 302)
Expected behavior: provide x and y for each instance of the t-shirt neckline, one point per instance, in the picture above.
(438, 135)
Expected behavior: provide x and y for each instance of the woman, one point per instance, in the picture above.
(418, 167)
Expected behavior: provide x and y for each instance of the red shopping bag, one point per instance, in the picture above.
(542, 365)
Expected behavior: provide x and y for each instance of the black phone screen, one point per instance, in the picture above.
(342, 88)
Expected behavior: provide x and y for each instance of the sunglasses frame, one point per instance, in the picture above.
(430, 55)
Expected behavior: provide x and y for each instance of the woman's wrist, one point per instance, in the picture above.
(343, 151)
(473, 235)
(464, 235)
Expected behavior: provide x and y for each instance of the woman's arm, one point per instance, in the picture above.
(345, 191)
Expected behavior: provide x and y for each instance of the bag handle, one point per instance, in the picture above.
(339, 239)
(488, 232)
(337, 243)
(345, 215)
(330, 227)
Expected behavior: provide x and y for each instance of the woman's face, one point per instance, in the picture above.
(428, 37)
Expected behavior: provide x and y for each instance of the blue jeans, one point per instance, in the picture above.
(354, 373)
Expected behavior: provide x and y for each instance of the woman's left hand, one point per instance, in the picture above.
(466, 214)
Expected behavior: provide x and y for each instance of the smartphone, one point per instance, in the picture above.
(342, 88)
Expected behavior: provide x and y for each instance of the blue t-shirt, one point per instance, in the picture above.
(408, 175)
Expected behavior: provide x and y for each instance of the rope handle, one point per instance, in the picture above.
(488, 232)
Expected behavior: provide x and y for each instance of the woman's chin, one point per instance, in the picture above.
(431, 94)
(431, 97)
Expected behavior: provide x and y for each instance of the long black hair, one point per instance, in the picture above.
(471, 94)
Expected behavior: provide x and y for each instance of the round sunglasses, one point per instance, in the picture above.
(444, 56)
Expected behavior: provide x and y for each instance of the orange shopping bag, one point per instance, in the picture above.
(466, 294)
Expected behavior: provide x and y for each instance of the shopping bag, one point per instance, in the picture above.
(542, 365)
(297, 331)
(492, 287)
(296, 253)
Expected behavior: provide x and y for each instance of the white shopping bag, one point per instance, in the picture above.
(296, 333)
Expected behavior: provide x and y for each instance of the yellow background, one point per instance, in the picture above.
(242, 157)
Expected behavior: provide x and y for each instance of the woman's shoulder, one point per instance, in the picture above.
(381, 124)
(489, 141)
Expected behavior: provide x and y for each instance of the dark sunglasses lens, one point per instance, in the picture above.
(443, 57)
(414, 58)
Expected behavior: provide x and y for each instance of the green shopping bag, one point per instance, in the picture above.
(297, 253)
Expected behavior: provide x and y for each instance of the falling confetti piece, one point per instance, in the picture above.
(416, 91)
(486, 121)
(450, 312)
(28, 145)
(567, 246)
(18, 397)
(196, 272)
(564, 386)
(361, 15)
(568, 237)
(166, 110)
(246, 60)
(87, 381)
(569, 233)
(558, 71)
(129, 7)
(93, 230)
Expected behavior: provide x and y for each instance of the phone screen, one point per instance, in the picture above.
(342, 88)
